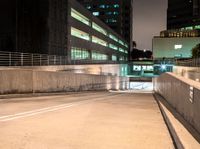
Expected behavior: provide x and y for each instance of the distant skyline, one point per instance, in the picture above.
(149, 18)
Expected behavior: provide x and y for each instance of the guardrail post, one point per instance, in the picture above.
(21, 59)
(32, 59)
(47, 60)
(54, 59)
(40, 60)
(10, 60)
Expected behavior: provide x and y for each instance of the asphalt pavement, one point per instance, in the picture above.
(90, 120)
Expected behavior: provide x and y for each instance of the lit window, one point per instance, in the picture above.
(99, 56)
(116, 13)
(80, 34)
(107, 6)
(95, 13)
(99, 41)
(121, 50)
(113, 37)
(114, 58)
(88, 7)
(75, 14)
(178, 47)
(116, 5)
(121, 58)
(189, 28)
(79, 54)
(197, 27)
(98, 28)
(112, 46)
(109, 13)
(102, 6)
(121, 42)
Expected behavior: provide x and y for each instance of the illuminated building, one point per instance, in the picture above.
(117, 14)
(59, 27)
(183, 14)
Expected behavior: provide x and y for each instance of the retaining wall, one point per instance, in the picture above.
(183, 94)
(28, 81)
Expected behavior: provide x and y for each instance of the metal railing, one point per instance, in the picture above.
(189, 62)
(30, 59)
(34, 59)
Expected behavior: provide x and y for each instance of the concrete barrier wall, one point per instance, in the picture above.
(27, 81)
(97, 69)
(178, 91)
(188, 72)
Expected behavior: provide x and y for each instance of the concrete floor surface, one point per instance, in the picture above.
(98, 120)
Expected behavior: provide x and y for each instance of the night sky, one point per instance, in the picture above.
(149, 18)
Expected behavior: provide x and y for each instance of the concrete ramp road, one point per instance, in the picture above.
(92, 120)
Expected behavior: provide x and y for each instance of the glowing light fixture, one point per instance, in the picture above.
(163, 67)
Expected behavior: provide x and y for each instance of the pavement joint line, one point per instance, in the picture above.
(15, 96)
(48, 109)
(58, 96)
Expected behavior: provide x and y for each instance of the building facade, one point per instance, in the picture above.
(117, 14)
(174, 47)
(183, 14)
(183, 30)
(61, 27)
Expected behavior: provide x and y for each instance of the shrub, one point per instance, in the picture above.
(196, 51)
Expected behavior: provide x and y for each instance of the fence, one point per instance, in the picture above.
(31, 59)
(189, 62)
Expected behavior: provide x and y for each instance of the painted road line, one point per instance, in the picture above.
(47, 109)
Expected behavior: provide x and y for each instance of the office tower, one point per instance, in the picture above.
(58, 27)
(117, 14)
(183, 14)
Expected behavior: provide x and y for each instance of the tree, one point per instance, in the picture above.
(137, 54)
(134, 44)
(196, 51)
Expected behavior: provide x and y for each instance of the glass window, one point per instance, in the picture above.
(121, 50)
(114, 58)
(113, 37)
(102, 6)
(121, 58)
(116, 5)
(99, 41)
(121, 42)
(98, 28)
(116, 13)
(112, 46)
(109, 13)
(111, 20)
(99, 56)
(75, 14)
(126, 45)
(79, 54)
(197, 27)
(80, 34)
(88, 7)
(95, 13)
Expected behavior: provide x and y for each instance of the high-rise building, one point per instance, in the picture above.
(117, 14)
(183, 14)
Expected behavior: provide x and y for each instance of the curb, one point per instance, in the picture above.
(176, 140)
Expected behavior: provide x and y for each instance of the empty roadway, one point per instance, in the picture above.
(90, 120)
